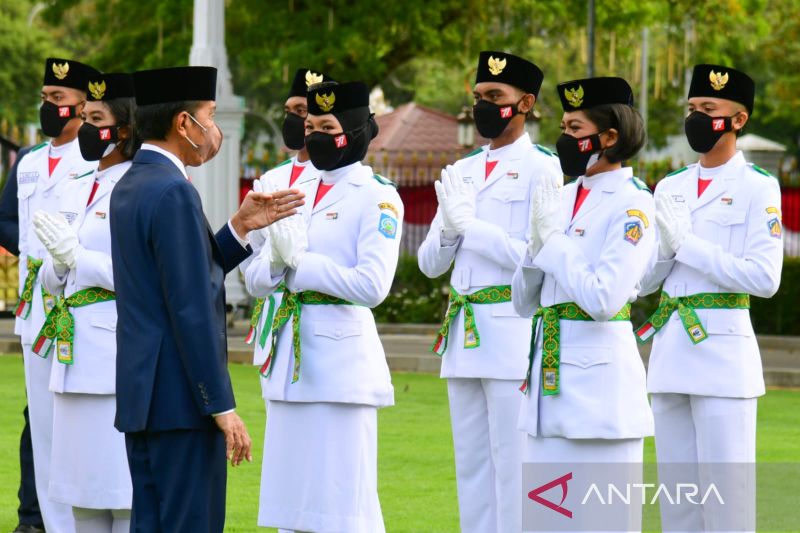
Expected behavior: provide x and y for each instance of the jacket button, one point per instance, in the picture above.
(731, 329)
(585, 361)
(337, 333)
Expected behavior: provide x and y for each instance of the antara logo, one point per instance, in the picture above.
(105, 134)
(718, 124)
(505, 112)
(63, 112)
(584, 145)
(562, 482)
(341, 141)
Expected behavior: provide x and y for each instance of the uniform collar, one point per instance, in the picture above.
(606, 181)
(521, 144)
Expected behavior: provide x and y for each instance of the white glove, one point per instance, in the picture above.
(534, 242)
(448, 232)
(58, 237)
(290, 239)
(674, 223)
(459, 200)
(547, 211)
(258, 236)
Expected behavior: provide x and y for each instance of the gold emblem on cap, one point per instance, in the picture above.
(574, 96)
(496, 66)
(312, 79)
(97, 90)
(61, 70)
(718, 80)
(325, 101)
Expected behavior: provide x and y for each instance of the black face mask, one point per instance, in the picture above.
(574, 153)
(53, 118)
(329, 152)
(94, 142)
(492, 119)
(703, 131)
(294, 131)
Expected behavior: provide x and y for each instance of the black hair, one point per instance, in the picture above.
(155, 120)
(631, 135)
(124, 111)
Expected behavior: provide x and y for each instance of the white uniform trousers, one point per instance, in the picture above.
(102, 521)
(555, 450)
(488, 452)
(57, 517)
(707, 431)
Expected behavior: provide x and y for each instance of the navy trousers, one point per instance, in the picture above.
(29, 514)
(179, 481)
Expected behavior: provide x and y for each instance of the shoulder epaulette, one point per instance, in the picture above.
(474, 152)
(38, 146)
(384, 181)
(761, 170)
(545, 150)
(642, 186)
(676, 171)
(83, 175)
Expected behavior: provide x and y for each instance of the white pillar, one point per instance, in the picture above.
(218, 180)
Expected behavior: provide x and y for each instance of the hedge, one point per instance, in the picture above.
(416, 299)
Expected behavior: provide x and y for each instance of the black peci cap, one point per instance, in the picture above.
(68, 73)
(110, 86)
(304, 79)
(718, 81)
(506, 68)
(591, 92)
(338, 98)
(176, 84)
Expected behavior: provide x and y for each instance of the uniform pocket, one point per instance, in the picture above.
(728, 322)
(585, 356)
(512, 203)
(337, 329)
(728, 223)
(104, 321)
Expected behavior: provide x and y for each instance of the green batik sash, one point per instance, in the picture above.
(291, 308)
(685, 305)
(25, 304)
(551, 340)
(59, 325)
(255, 317)
(472, 339)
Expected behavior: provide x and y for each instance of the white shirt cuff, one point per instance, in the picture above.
(244, 242)
(215, 415)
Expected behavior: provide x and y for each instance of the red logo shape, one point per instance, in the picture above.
(718, 124)
(562, 482)
(584, 145)
(105, 134)
(341, 141)
(63, 112)
(505, 112)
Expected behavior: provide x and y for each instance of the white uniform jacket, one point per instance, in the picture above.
(37, 190)
(95, 341)
(354, 239)
(306, 182)
(735, 247)
(486, 255)
(596, 263)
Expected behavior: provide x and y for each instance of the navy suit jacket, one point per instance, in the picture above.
(9, 208)
(169, 273)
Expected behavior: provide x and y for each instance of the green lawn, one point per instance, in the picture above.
(417, 477)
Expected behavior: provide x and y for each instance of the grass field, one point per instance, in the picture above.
(417, 476)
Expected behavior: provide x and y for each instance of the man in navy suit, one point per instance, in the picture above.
(174, 396)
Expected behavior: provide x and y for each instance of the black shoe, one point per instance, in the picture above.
(26, 528)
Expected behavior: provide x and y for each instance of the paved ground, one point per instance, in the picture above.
(408, 349)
